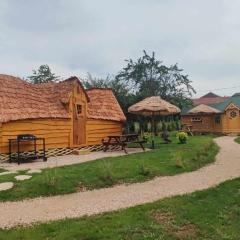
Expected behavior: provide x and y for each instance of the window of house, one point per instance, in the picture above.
(233, 114)
(79, 109)
(196, 119)
(218, 119)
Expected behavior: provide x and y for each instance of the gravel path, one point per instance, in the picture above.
(227, 166)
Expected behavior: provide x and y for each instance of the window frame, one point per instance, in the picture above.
(77, 105)
(196, 119)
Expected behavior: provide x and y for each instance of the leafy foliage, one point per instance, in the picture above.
(182, 137)
(148, 76)
(42, 75)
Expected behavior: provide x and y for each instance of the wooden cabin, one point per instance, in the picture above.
(64, 113)
(223, 117)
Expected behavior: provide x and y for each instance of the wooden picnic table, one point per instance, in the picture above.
(122, 141)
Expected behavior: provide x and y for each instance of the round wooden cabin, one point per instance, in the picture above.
(64, 113)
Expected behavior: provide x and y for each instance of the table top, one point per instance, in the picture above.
(123, 135)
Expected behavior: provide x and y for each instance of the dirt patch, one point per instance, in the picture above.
(187, 230)
(163, 218)
(181, 232)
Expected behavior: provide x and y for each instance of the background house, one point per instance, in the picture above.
(214, 114)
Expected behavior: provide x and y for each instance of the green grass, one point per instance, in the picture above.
(210, 214)
(169, 159)
(237, 140)
(2, 170)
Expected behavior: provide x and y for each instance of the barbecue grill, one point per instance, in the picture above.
(26, 137)
(31, 155)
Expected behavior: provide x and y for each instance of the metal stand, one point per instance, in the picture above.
(30, 156)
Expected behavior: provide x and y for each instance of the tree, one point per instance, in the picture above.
(90, 82)
(149, 77)
(42, 75)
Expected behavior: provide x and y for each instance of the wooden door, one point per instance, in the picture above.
(233, 120)
(79, 124)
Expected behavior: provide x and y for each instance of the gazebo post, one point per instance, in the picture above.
(153, 131)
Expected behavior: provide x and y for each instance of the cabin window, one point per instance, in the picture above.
(233, 114)
(79, 109)
(218, 119)
(196, 119)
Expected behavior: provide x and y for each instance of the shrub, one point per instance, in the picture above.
(149, 127)
(136, 127)
(178, 159)
(107, 173)
(164, 126)
(173, 125)
(146, 136)
(169, 127)
(182, 137)
(144, 171)
(159, 126)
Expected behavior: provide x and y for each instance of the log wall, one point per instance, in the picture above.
(100, 129)
(57, 132)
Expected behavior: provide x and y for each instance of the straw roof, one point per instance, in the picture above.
(21, 100)
(104, 105)
(154, 106)
(203, 109)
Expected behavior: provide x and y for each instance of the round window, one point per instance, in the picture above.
(233, 114)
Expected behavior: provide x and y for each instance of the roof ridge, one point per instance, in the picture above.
(99, 88)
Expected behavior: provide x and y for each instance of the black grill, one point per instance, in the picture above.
(26, 137)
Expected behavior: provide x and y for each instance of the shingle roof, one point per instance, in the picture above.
(209, 98)
(203, 109)
(222, 106)
(219, 106)
(104, 105)
(21, 100)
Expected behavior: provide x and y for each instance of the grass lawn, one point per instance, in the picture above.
(2, 170)
(169, 159)
(210, 214)
(237, 140)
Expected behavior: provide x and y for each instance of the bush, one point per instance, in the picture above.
(159, 126)
(144, 171)
(136, 127)
(107, 175)
(178, 160)
(173, 125)
(182, 137)
(169, 127)
(149, 127)
(164, 126)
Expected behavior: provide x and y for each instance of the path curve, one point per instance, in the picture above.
(227, 166)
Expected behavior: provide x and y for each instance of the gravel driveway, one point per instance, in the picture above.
(227, 166)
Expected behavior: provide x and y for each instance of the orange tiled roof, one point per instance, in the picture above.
(21, 100)
(104, 105)
(209, 98)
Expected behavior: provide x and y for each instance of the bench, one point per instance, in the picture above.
(122, 141)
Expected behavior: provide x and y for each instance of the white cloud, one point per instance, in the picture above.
(79, 36)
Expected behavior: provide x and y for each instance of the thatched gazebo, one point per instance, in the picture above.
(154, 106)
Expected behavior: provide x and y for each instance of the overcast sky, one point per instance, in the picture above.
(76, 36)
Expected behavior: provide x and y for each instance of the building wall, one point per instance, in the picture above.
(207, 124)
(100, 129)
(57, 132)
(231, 125)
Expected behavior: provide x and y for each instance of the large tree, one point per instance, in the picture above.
(148, 76)
(120, 90)
(42, 75)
